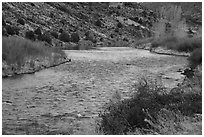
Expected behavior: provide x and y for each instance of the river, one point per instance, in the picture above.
(66, 99)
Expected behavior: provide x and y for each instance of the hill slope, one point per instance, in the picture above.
(108, 23)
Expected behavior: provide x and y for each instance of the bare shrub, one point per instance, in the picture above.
(151, 110)
(170, 23)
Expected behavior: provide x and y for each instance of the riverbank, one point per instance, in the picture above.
(23, 56)
(37, 65)
(162, 51)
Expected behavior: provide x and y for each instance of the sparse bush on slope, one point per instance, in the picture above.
(12, 30)
(46, 37)
(54, 34)
(60, 30)
(98, 23)
(64, 36)
(89, 35)
(119, 25)
(38, 31)
(21, 21)
(75, 37)
(30, 35)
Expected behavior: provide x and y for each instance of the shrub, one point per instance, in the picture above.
(64, 36)
(119, 25)
(101, 39)
(195, 58)
(90, 36)
(64, 9)
(12, 30)
(21, 21)
(60, 30)
(142, 111)
(46, 37)
(125, 39)
(38, 31)
(75, 37)
(129, 4)
(121, 117)
(54, 34)
(32, 4)
(112, 35)
(30, 35)
(98, 23)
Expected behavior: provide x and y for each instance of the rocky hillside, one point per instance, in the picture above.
(104, 24)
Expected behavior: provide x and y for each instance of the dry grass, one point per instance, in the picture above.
(15, 50)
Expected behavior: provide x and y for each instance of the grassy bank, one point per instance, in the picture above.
(19, 54)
